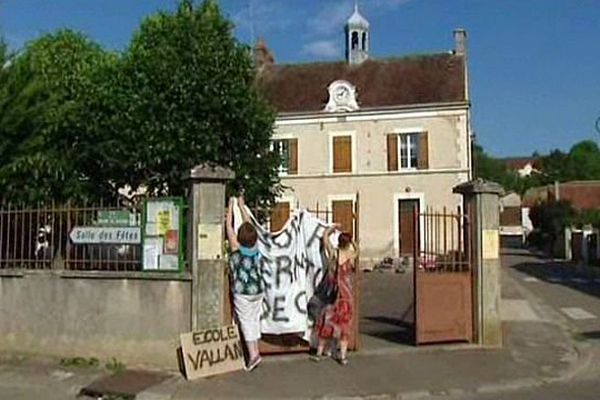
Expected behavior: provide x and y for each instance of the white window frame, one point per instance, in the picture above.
(279, 137)
(352, 135)
(408, 133)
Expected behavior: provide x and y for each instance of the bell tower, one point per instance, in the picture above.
(357, 37)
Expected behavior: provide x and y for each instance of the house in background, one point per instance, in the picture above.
(513, 221)
(386, 136)
(579, 244)
(524, 166)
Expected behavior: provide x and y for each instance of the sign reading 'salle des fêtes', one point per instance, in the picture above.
(105, 235)
(212, 352)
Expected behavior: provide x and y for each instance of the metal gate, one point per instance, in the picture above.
(442, 278)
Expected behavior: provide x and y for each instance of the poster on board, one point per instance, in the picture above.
(162, 247)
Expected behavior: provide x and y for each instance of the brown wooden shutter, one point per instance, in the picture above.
(392, 152)
(423, 151)
(343, 214)
(279, 216)
(293, 159)
(342, 154)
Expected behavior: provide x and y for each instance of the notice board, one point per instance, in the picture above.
(163, 234)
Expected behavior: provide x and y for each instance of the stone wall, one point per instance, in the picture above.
(133, 317)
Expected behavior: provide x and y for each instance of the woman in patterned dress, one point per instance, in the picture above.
(246, 280)
(335, 322)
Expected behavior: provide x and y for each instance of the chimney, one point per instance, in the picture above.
(460, 42)
(262, 56)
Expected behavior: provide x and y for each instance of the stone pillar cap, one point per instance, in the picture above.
(479, 186)
(211, 173)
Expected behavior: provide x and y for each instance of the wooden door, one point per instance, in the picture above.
(407, 210)
(343, 213)
(279, 216)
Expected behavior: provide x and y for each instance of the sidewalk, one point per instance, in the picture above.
(536, 350)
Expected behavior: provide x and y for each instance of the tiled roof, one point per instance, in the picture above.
(435, 78)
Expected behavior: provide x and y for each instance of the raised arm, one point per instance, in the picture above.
(231, 236)
(325, 239)
(242, 205)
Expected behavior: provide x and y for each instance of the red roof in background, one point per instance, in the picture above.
(518, 162)
(435, 78)
(583, 195)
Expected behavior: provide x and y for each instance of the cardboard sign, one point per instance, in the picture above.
(212, 352)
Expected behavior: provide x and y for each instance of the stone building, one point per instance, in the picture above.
(389, 134)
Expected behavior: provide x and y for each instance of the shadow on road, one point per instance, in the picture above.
(591, 335)
(386, 310)
(553, 271)
(390, 329)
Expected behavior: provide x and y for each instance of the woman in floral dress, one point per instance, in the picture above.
(335, 322)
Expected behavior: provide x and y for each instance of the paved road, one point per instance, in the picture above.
(574, 296)
(573, 292)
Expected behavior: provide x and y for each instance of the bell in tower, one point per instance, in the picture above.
(357, 37)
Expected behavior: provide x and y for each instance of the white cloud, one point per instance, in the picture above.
(333, 14)
(259, 17)
(330, 18)
(322, 48)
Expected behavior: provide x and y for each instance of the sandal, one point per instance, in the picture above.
(253, 364)
(315, 358)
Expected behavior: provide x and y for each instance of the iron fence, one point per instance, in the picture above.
(41, 237)
(443, 244)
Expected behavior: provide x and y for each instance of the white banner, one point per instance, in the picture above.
(292, 265)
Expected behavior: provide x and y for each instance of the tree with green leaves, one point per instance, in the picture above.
(496, 170)
(582, 162)
(40, 116)
(188, 95)
(78, 122)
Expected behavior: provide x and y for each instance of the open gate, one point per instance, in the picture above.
(442, 278)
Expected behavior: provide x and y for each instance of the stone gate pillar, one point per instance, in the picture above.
(482, 206)
(206, 230)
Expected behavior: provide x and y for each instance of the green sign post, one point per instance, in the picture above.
(116, 218)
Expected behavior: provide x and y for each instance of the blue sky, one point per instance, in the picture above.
(534, 64)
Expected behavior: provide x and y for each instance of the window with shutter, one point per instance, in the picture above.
(288, 151)
(293, 159)
(342, 154)
(343, 214)
(392, 152)
(279, 216)
(423, 161)
(413, 151)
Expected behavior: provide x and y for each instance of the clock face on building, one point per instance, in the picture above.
(342, 94)
(342, 97)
